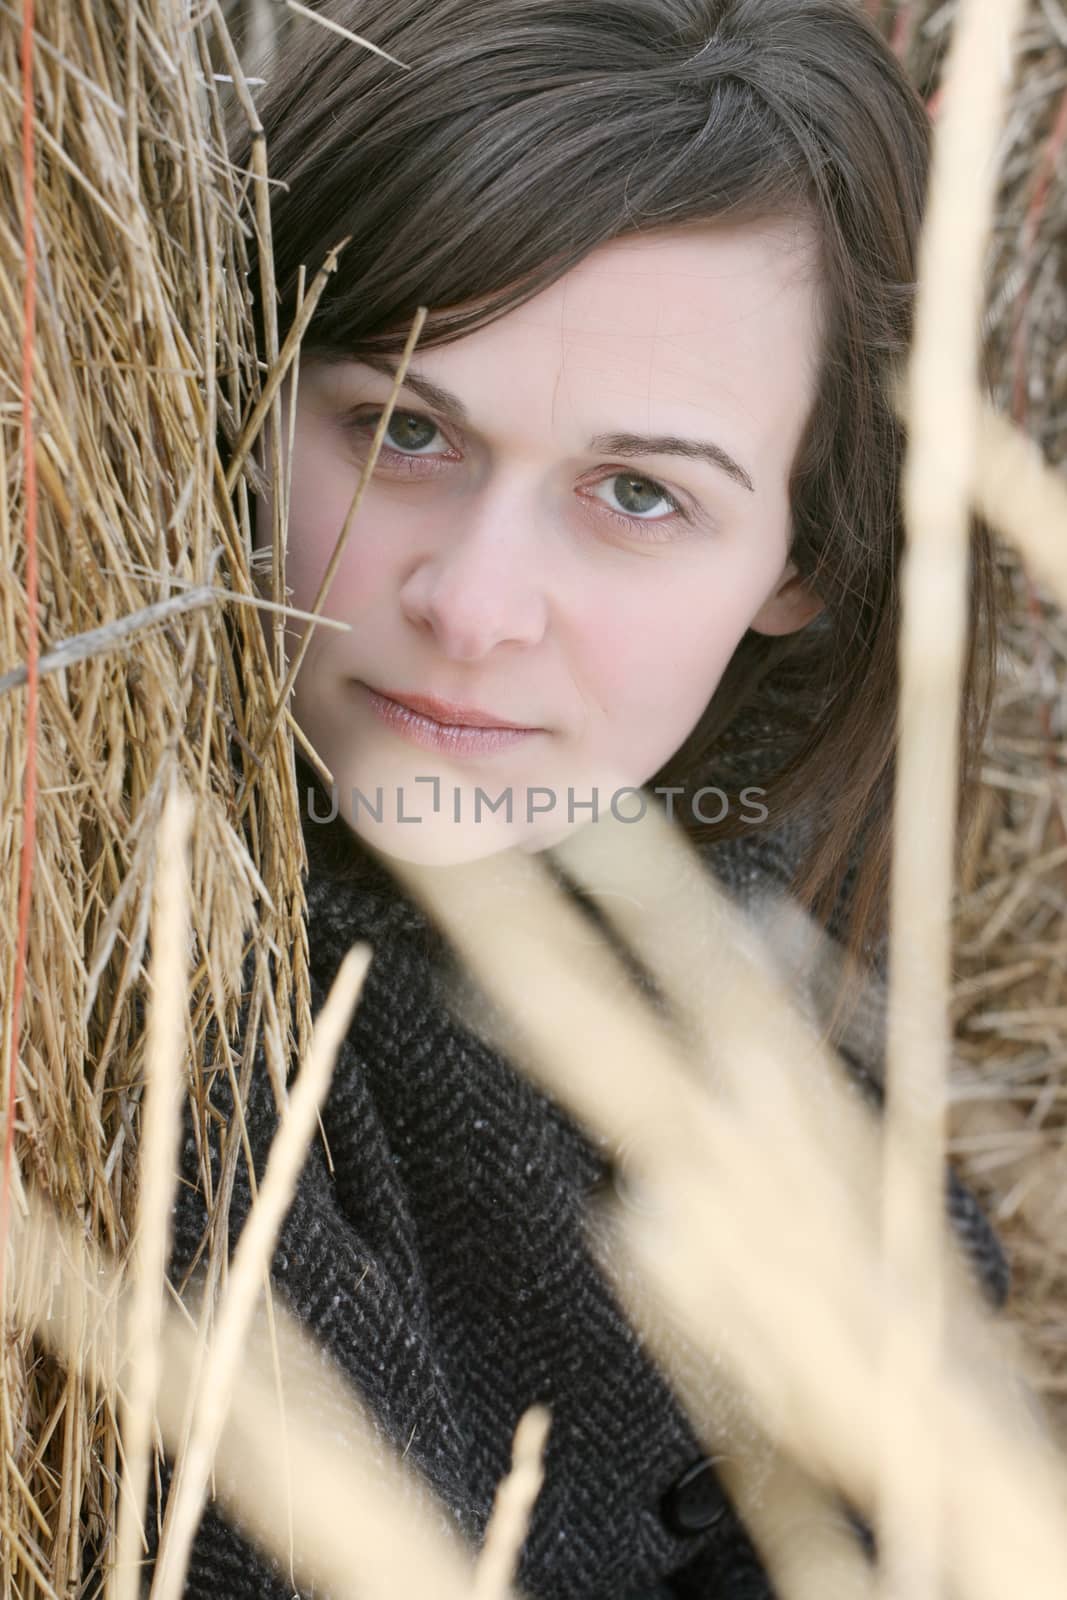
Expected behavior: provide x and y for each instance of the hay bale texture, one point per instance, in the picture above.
(141, 353)
(142, 360)
(1010, 1001)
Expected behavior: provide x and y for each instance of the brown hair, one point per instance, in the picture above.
(524, 133)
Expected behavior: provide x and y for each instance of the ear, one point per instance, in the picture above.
(790, 607)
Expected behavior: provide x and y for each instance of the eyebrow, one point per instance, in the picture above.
(451, 407)
(667, 444)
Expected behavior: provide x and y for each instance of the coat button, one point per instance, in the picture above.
(697, 1501)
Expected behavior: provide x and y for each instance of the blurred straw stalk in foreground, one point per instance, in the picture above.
(1010, 968)
(142, 346)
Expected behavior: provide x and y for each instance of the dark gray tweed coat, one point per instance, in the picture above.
(445, 1269)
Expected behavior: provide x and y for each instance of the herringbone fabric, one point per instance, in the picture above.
(445, 1268)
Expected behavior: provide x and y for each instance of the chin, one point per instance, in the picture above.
(434, 843)
(437, 843)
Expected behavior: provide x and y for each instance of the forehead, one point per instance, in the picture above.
(674, 281)
(718, 320)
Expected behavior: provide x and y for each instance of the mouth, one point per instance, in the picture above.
(450, 715)
(442, 726)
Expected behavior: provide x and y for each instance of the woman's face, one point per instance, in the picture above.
(578, 511)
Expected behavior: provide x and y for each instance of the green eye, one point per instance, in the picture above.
(639, 496)
(641, 499)
(406, 431)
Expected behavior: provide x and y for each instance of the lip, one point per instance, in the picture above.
(408, 717)
(449, 714)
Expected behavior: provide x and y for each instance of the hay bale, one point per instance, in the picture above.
(1010, 1001)
(141, 356)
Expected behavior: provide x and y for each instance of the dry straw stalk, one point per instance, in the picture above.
(140, 351)
(1009, 970)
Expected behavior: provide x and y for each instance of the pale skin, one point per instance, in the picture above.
(522, 562)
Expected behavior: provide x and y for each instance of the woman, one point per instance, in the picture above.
(637, 523)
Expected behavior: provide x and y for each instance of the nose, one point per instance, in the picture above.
(480, 586)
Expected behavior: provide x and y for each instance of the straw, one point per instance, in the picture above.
(158, 1169)
(938, 478)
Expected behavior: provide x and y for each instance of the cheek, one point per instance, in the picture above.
(654, 670)
(321, 494)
